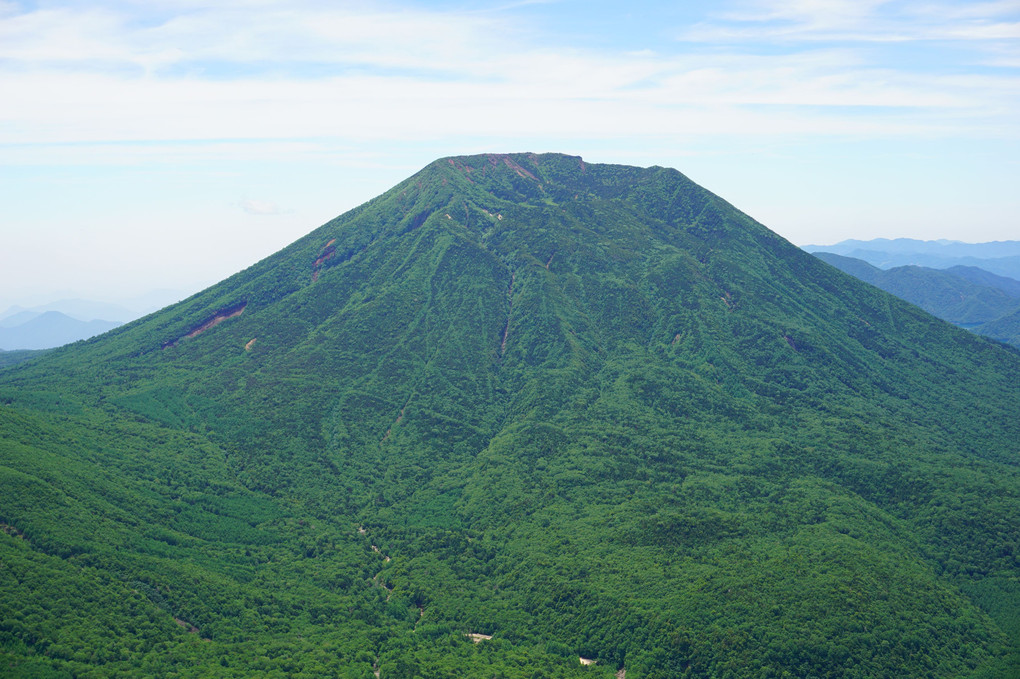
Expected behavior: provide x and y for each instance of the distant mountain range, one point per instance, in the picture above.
(969, 296)
(913, 246)
(49, 329)
(68, 320)
(998, 257)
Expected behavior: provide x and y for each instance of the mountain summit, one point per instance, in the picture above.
(519, 413)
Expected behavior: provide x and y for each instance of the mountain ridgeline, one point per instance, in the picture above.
(970, 297)
(589, 411)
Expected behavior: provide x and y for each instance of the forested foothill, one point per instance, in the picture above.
(517, 412)
(967, 296)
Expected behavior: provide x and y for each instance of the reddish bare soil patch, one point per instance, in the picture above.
(322, 258)
(328, 252)
(217, 319)
(466, 169)
(186, 625)
(517, 168)
(211, 322)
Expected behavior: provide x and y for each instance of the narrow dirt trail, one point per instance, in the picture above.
(386, 559)
(375, 578)
(375, 549)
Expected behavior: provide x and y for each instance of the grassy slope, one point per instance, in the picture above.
(590, 410)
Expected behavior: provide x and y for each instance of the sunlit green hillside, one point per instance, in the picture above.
(967, 296)
(589, 411)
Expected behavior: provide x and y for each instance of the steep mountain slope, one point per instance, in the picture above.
(1005, 329)
(985, 278)
(13, 357)
(588, 410)
(945, 294)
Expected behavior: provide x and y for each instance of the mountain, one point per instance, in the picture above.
(68, 320)
(16, 315)
(945, 294)
(998, 257)
(1005, 329)
(81, 309)
(984, 278)
(518, 411)
(122, 311)
(940, 248)
(33, 330)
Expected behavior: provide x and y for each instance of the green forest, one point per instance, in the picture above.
(988, 305)
(518, 417)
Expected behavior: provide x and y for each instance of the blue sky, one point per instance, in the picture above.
(169, 143)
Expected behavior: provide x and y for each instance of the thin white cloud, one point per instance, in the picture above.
(276, 71)
(569, 97)
(957, 11)
(213, 37)
(860, 21)
(811, 14)
(261, 207)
